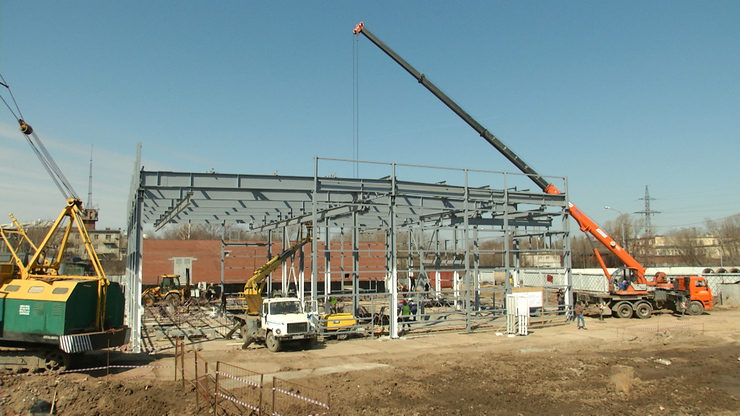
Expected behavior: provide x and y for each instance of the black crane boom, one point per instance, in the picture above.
(490, 138)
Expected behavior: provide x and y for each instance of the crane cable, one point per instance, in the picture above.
(356, 105)
(56, 174)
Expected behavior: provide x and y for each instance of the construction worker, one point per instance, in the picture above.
(405, 314)
(561, 302)
(580, 322)
(333, 304)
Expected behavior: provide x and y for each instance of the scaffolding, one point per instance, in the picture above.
(404, 233)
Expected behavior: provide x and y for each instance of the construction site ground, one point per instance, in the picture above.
(665, 365)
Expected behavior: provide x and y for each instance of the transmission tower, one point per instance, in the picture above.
(89, 203)
(648, 213)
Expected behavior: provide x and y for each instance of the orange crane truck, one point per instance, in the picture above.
(636, 295)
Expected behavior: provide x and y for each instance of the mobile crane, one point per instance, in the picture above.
(636, 293)
(274, 321)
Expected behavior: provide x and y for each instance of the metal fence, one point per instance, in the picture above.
(594, 280)
(237, 390)
(228, 389)
(290, 398)
(448, 309)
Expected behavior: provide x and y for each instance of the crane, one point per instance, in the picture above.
(75, 307)
(256, 284)
(587, 225)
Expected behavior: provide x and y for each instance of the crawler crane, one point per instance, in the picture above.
(52, 309)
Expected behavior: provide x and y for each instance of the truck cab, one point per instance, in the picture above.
(696, 289)
(281, 320)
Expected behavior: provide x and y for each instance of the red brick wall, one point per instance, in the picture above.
(242, 261)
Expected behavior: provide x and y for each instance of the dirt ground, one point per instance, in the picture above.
(661, 366)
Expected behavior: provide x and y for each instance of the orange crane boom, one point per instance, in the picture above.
(584, 222)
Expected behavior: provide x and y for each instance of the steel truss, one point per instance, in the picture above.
(427, 227)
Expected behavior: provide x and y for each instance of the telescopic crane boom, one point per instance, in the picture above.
(585, 223)
(256, 284)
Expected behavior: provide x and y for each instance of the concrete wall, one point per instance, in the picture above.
(729, 294)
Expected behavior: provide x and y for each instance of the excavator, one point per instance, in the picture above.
(636, 293)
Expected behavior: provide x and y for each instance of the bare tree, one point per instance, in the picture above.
(685, 243)
(727, 233)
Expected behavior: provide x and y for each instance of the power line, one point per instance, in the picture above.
(647, 212)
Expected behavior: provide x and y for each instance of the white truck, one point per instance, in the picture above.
(281, 320)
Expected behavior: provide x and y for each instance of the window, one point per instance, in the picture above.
(12, 288)
(35, 289)
(282, 308)
(60, 290)
(701, 283)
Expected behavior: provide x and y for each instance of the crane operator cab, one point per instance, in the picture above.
(624, 278)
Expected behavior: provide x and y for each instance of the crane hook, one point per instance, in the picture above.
(25, 128)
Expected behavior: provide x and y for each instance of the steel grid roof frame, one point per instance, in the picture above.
(270, 202)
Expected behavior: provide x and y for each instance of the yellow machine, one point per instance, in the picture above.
(252, 292)
(168, 289)
(336, 322)
(51, 309)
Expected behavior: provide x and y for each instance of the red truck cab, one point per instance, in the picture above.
(699, 294)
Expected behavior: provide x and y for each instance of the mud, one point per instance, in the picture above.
(661, 366)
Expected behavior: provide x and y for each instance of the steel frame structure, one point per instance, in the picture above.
(424, 213)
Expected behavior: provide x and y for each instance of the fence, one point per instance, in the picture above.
(237, 390)
(636, 331)
(232, 390)
(289, 398)
(594, 280)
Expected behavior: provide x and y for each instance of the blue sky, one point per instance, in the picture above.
(612, 95)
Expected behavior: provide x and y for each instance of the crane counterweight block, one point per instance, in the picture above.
(25, 128)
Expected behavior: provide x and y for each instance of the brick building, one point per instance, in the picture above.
(203, 260)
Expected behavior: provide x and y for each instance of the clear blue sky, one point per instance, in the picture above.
(612, 95)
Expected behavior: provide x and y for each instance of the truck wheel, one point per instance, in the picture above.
(696, 308)
(309, 343)
(172, 299)
(147, 300)
(56, 361)
(643, 310)
(273, 344)
(623, 310)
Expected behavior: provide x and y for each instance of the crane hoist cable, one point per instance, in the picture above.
(56, 174)
(356, 105)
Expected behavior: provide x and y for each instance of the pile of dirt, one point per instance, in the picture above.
(664, 366)
(81, 394)
(629, 382)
